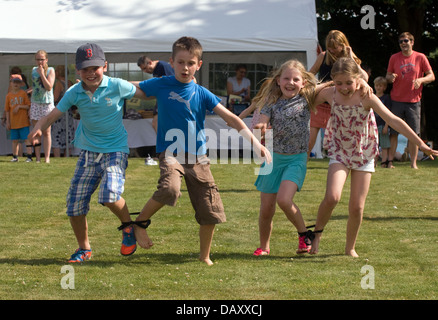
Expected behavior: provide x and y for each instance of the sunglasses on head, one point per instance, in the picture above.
(403, 40)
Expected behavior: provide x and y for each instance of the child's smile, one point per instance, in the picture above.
(290, 83)
(345, 84)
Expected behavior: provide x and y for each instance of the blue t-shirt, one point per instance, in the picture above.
(163, 69)
(101, 127)
(181, 109)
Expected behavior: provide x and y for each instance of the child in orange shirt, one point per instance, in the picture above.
(17, 106)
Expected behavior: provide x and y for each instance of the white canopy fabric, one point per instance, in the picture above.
(225, 28)
(133, 25)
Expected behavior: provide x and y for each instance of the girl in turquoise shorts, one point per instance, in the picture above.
(286, 103)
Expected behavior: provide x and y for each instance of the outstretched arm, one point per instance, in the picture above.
(43, 124)
(399, 125)
(235, 122)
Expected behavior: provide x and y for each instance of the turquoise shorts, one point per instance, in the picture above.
(284, 167)
(20, 134)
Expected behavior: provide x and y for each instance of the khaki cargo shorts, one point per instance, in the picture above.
(203, 192)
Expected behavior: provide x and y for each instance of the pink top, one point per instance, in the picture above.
(351, 136)
(255, 118)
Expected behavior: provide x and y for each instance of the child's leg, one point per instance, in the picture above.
(80, 229)
(28, 148)
(14, 148)
(384, 154)
(148, 211)
(120, 209)
(285, 196)
(206, 236)
(267, 211)
(37, 145)
(47, 143)
(360, 183)
(336, 176)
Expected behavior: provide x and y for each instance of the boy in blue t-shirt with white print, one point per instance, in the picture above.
(181, 140)
(103, 141)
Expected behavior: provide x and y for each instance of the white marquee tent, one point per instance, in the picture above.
(248, 31)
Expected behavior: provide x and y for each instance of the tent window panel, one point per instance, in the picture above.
(131, 72)
(219, 72)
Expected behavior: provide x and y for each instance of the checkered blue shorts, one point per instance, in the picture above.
(93, 168)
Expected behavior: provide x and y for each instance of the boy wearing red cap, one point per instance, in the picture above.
(103, 141)
(17, 106)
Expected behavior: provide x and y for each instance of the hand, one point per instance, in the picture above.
(34, 135)
(417, 83)
(263, 153)
(365, 90)
(16, 109)
(40, 70)
(391, 78)
(349, 52)
(261, 127)
(428, 151)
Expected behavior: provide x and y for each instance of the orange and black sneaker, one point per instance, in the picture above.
(129, 243)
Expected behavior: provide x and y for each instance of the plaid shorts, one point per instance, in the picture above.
(93, 168)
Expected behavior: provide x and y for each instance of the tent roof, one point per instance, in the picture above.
(153, 25)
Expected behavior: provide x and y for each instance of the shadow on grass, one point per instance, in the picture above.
(149, 258)
(374, 218)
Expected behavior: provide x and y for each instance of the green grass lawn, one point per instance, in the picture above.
(398, 240)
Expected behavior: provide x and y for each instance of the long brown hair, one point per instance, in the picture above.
(270, 91)
(334, 39)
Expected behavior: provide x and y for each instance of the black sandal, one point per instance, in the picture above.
(384, 164)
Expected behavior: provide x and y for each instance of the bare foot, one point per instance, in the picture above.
(352, 253)
(315, 243)
(142, 237)
(207, 261)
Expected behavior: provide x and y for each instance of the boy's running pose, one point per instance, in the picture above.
(104, 143)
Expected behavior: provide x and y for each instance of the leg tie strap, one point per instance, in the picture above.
(309, 233)
(142, 224)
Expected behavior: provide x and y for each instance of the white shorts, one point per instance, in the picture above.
(40, 110)
(369, 167)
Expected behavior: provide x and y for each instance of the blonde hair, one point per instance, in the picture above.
(381, 80)
(334, 39)
(346, 66)
(270, 91)
(43, 52)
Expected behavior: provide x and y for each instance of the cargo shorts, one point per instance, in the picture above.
(203, 192)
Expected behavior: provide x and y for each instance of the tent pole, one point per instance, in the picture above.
(67, 138)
